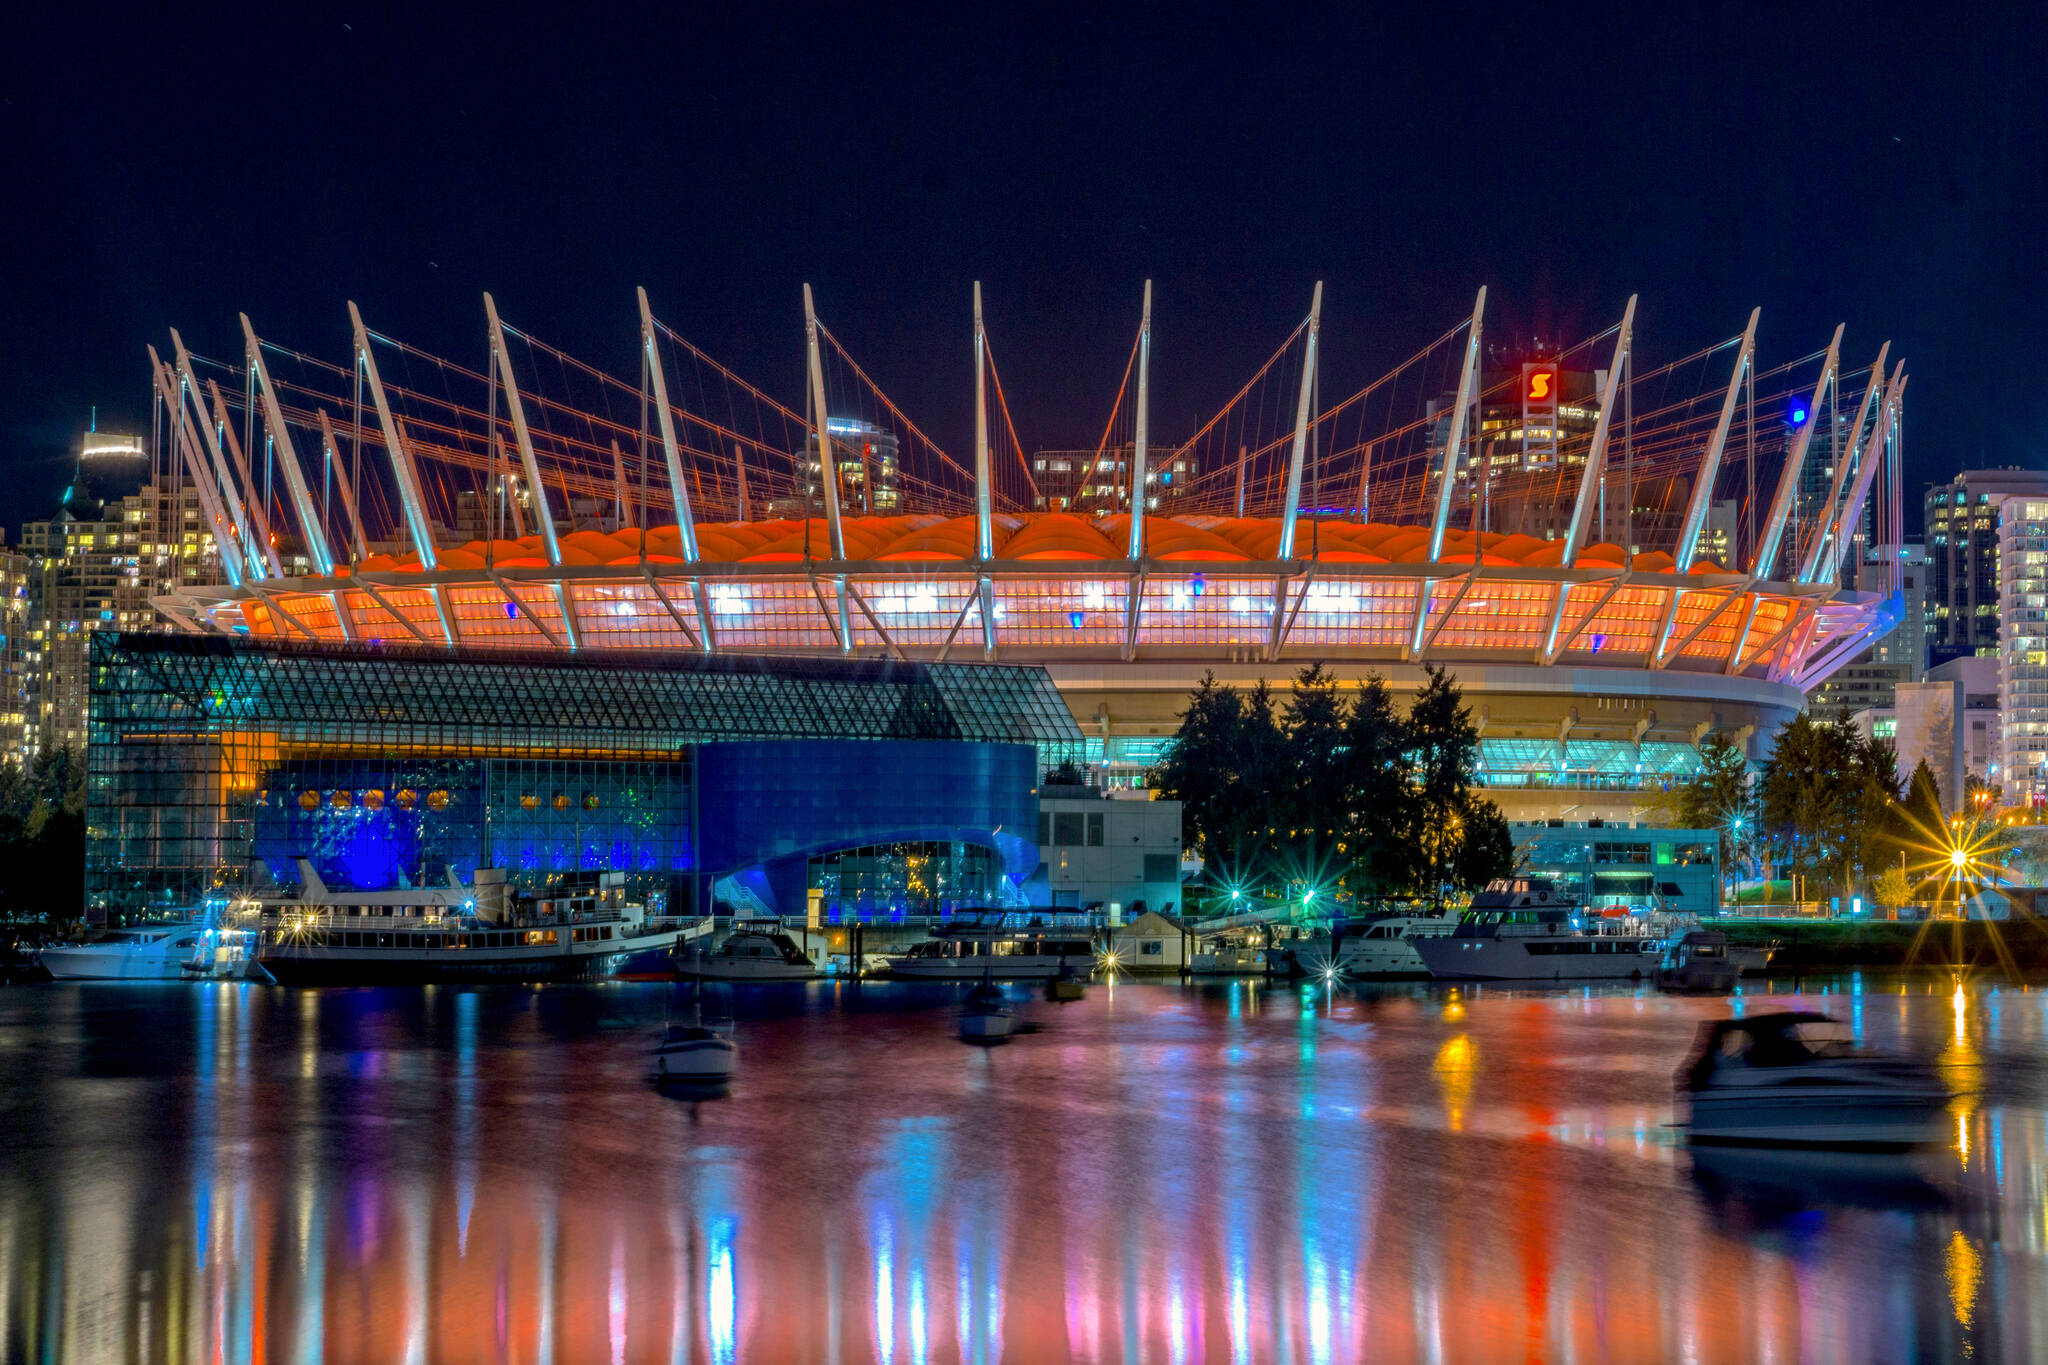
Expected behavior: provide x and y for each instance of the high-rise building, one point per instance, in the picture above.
(2023, 646)
(1870, 679)
(20, 658)
(870, 472)
(121, 536)
(1962, 558)
(1083, 481)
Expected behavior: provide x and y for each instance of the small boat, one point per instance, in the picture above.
(1698, 961)
(695, 1054)
(996, 944)
(753, 951)
(985, 1015)
(1799, 1079)
(152, 953)
(1751, 959)
(1067, 986)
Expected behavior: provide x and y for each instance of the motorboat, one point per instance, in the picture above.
(1004, 946)
(1232, 954)
(1384, 946)
(149, 953)
(694, 1053)
(1751, 959)
(985, 1015)
(1799, 1079)
(754, 951)
(1698, 961)
(1521, 929)
(583, 930)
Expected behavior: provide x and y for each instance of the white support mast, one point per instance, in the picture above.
(984, 500)
(280, 437)
(828, 467)
(1823, 528)
(1874, 455)
(984, 494)
(1788, 479)
(332, 449)
(678, 491)
(1596, 454)
(238, 519)
(1138, 434)
(521, 437)
(225, 539)
(259, 519)
(401, 459)
(1300, 454)
(1468, 376)
(1710, 465)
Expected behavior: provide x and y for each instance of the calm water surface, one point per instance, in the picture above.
(237, 1173)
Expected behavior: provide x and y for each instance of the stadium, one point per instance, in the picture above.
(1617, 557)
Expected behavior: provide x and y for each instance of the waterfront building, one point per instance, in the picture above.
(1951, 720)
(21, 642)
(737, 780)
(1961, 530)
(1598, 864)
(1121, 857)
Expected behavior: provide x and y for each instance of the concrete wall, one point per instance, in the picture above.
(1112, 853)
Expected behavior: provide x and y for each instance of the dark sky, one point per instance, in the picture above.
(1879, 167)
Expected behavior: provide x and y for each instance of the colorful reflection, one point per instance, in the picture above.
(236, 1173)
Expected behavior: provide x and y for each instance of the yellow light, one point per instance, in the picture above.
(1957, 858)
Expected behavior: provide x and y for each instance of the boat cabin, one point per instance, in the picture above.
(1783, 1038)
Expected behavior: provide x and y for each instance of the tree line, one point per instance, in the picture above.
(1827, 806)
(42, 837)
(1325, 795)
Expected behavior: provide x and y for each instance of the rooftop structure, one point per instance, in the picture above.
(1570, 577)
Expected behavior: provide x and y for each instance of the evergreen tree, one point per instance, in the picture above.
(1443, 745)
(1378, 793)
(1315, 802)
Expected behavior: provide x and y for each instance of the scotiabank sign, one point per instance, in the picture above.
(1539, 386)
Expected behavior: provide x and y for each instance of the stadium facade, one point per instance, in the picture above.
(1613, 574)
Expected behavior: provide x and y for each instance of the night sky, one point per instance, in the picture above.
(1887, 169)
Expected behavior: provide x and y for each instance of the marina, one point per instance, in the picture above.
(286, 1156)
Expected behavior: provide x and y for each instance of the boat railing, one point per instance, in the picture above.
(688, 926)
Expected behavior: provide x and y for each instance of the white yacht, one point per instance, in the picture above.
(756, 951)
(998, 946)
(985, 1015)
(1798, 1079)
(1519, 929)
(152, 953)
(1385, 947)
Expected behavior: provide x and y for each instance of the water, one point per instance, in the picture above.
(237, 1173)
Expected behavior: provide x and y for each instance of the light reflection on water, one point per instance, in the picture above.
(1234, 1173)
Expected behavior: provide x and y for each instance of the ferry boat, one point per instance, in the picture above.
(1520, 929)
(1000, 945)
(756, 950)
(323, 937)
(157, 952)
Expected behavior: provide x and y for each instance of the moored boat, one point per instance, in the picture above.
(1002, 945)
(985, 1015)
(481, 932)
(1384, 946)
(1697, 961)
(1799, 1079)
(156, 952)
(754, 951)
(1519, 929)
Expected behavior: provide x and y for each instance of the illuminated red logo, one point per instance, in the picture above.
(1542, 386)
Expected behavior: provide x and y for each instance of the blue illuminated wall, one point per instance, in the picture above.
(769, 806)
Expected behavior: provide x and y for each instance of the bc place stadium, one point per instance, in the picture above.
(541, 616)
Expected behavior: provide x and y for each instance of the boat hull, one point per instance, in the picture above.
(84, 964)
(1847, 1117)
(743, 971)
(701, 1060)
(986, 1028)
(307, 965)
(1450, 958)
(993, 968)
